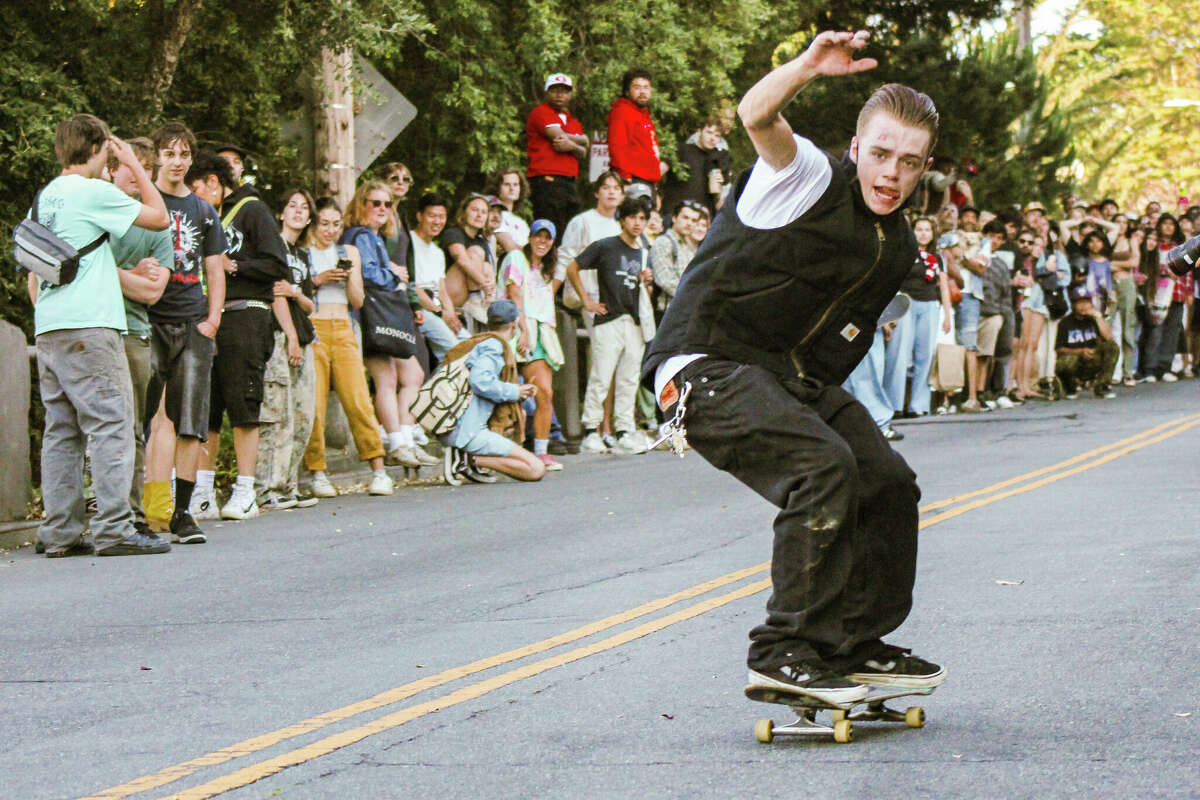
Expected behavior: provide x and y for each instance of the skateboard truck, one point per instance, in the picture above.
(842, 717)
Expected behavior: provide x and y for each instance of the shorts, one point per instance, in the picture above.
(966, 322)
(989, 332)
(181, 359)
(245, 342)
(489, 443)
(538, 353)
(1036, 302)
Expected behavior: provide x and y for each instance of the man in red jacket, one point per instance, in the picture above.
(632, 140)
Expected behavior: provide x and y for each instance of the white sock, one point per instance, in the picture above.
(400, 438)
(318, 474)
(245, 482)
(539, 446)
(380, 471)
(205, 478)
(417, 433)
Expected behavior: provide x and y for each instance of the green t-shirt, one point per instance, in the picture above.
(128, 250)
(78, 210)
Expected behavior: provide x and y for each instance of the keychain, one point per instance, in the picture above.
(673, 430)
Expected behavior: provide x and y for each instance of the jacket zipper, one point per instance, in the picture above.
(837, 304)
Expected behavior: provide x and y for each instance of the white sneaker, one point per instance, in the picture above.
(273, 501)
(1149, 379)
(322, 487)
(425, 459)
(241, 505)
(990, 405)
(1169, 377)
(632, 442)
(1004, 402)
(204, 505)
(592, 443)
(381, 484)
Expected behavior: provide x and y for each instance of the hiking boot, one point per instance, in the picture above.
(184, 529)
(322, 487)
(898, 667)
(241, 504)
(819, 682)
(135, 544)
(204, 504)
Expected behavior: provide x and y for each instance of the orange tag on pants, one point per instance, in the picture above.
(669, 395)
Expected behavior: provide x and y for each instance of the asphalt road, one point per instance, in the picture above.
(496, 640)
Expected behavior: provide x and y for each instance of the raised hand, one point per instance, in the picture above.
(832, 53)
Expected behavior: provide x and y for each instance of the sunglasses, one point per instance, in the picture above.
(1025, 241)
(377, 203)
(405, 179)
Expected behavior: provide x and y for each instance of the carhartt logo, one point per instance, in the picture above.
(850, 332)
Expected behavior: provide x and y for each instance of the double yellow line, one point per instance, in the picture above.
(956, 506)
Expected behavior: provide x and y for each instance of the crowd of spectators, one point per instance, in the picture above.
(206, 305)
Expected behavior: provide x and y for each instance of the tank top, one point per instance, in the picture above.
(323, 261)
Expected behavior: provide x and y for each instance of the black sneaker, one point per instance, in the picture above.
(897, 667)
(81, 548)
(185, 530)
(557, 447)
(473, 473)
(823, 684)
(135, 545)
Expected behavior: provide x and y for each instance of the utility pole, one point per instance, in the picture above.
(333, 126)
(1024, 19)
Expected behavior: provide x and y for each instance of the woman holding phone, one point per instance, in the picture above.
(337, 275)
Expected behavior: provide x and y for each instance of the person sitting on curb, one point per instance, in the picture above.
(1085, 347)
(493, 376)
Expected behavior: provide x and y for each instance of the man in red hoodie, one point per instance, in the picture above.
(632, 140)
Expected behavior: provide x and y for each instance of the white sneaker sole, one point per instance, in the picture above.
(850, 694)
(899, 681)
(240, 513)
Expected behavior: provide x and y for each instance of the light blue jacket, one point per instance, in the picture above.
(484, 362)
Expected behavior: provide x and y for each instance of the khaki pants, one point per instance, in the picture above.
(137, 355)
(617, 349)
(336, 355)
(285, 419)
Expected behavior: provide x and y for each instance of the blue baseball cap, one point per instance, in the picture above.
(501, 312)
(543, 225)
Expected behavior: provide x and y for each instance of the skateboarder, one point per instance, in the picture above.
(776, 309)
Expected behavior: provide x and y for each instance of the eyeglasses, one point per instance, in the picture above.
(376, 203)
(405, 179)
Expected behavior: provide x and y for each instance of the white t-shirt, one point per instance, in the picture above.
(515, 227)
(429, 263)
(582, 230)
(771, 199)
(79, 210)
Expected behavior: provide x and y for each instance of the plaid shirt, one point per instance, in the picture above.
(1183, 288)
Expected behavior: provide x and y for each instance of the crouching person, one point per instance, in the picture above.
(474, 444)
(1086, 352)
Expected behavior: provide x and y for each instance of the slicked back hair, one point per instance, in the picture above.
(906, 105)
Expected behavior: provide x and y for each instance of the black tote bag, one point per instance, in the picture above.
(388, 327)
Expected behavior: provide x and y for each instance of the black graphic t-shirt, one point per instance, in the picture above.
(617, 268)
(921, 283)
(196, 233)
(298, 265)
(1077, 333)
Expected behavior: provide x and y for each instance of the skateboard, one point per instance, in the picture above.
(896, 309)
(841, 726)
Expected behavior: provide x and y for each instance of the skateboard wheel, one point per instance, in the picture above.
(914, 717)
(837, 715)
(764, 731)
(843, 731)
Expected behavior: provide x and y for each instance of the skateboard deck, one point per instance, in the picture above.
(896, 309)
(840, 726)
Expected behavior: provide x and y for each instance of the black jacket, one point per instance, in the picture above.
(801, 299)
(256, 245)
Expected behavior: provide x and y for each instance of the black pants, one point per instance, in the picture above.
(554, 198)
(845, 550)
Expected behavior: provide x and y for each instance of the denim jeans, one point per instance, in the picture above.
(441, 339)
(845, 548)
(84, 381)
(913, 343)
(866, 383)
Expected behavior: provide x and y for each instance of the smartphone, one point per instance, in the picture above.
(344, 264)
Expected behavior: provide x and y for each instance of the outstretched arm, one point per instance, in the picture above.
(831, 53)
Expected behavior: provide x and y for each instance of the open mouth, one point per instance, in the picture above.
(885, 196)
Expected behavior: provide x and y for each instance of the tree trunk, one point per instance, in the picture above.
(334, 126)
(167, 42)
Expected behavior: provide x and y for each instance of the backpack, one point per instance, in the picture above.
(44, 253)
(444, 398)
